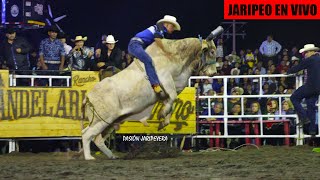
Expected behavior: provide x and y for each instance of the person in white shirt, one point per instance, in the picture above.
(63, 38)
(269, 50)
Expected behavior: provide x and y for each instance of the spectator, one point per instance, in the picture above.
(254, 109)
(251, 60)
(244, 82)
(269, 50)
(80, 55)
(282, 67)
(250, 71)
(283, 82)
(206, 86)
(265, 88)
(273, 69)
(231, 84)
(99, 46)
(63, 38)
(219, 63)
(270, 63)
(284, 52)
(294, 61)
(52, 53)
(257, 55)
(15, 55)
(260, 68)
(33, 59)
(249, 91)
(280, 90)
(198, 85)
(220, 49)
(232, 101)
(235, 129)
(235, 70)
(128, 61)
(110, 55)
(67, 48)
(217, 84)
(271, 127)
(216, 109)
(226, 68)
(286, 60)
(295, 52)
(242, 56)
(287, 108)
(233, 58)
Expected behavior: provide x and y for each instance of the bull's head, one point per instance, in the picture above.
(208, 57)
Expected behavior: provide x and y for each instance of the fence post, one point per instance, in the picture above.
(12, 145)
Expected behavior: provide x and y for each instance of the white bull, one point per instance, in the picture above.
(129, 95)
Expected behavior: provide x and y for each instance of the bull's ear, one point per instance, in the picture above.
(214, 46)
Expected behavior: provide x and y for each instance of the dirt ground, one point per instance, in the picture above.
(245, 163)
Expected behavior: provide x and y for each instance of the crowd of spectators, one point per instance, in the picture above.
(269, 58)
(55, 57)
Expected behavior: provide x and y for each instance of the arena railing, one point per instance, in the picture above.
(299, 136)
(33, 76)
(13, 76)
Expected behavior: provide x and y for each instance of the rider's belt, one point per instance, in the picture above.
(137, 39)
(52, 62)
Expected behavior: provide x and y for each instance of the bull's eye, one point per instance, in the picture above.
(211, 52)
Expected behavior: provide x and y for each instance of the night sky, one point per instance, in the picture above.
(124, 18)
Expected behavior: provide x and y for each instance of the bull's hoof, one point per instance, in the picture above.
(145, 123)
(114, 157)
(162, 125)
(90, 158)
(162, 115)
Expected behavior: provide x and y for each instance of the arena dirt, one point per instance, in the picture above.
(245, 163)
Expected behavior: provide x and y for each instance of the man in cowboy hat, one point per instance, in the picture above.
(52, 53)
(144, 38)
(80, 55)
(110, 59)
(311, 89)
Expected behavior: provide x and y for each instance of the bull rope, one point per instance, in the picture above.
(94, 112)
(140, 67)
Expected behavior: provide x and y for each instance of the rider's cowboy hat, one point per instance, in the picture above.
(110, 40)
(309, 47)
(79, 38)
(172, 20)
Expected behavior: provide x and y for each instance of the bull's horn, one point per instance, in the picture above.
(215, 33)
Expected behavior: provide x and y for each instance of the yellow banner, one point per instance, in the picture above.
(43, 112)
(55, 112)
(183, 119)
